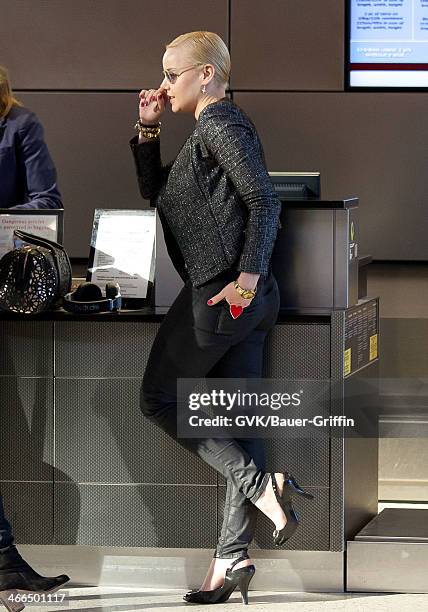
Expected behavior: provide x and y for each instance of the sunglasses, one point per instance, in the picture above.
(172, 77)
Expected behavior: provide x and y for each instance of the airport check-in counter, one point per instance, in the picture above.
(98, 474)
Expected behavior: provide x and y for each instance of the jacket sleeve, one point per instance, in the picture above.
(36, 167)
(234, 144)
(151, 175)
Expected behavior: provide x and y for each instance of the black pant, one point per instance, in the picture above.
(195, 341)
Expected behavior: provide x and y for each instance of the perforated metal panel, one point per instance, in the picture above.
(299, 351)
(102, 436)
(337, 525)
(125, 515)
(29, 509)
(99, 349)
(109, 458)
(306, 459)
(26, 348)
(26, 440)
(312, 533)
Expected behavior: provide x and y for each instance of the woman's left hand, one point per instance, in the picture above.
(236, 302)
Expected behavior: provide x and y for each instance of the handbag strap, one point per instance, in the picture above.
(37, 240)
(59, 254)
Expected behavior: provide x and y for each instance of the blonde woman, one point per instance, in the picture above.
(27, 172)
(220, 218)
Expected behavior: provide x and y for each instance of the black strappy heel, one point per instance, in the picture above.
(234, 578)
(280, 536)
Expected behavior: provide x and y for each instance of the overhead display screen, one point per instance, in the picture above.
(388, 44)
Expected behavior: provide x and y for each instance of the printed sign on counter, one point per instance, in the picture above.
(44, 224)
(123, 250)
(361, 336)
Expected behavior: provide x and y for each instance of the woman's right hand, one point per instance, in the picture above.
(152, 105)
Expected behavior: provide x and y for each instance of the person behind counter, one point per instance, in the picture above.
(27, 180)
(220, 218)
(27, 172)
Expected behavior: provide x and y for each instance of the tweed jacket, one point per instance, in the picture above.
(215, 200)
(27, 172)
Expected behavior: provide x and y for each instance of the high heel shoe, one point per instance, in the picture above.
(17, 578)
(280, 536)
(234, 578)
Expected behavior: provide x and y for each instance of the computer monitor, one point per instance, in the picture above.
(296, 185)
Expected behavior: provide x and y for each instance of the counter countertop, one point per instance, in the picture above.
(150, 314)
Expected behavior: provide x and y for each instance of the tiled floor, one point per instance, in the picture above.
(120, 600)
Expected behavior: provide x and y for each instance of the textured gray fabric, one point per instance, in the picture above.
(216, 201)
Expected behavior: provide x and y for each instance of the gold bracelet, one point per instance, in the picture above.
(142, 126)
(150, 134)
(247, 294)
(148, 131)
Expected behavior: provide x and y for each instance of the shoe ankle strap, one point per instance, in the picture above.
(275, 486)
(243, 557)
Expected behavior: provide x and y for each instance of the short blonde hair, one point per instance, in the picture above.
(206, 48)
(7, 99)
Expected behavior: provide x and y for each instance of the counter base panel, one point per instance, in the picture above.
(389, 567)
(172, 568)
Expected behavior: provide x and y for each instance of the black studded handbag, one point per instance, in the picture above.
(35, 276)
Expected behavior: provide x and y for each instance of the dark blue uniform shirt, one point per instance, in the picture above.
(27, 172)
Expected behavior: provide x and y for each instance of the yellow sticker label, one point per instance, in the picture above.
(373, 347)
(347, 361)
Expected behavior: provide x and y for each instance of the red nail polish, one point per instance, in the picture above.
(209, 302)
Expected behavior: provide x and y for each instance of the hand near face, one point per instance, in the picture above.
(152, 104)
